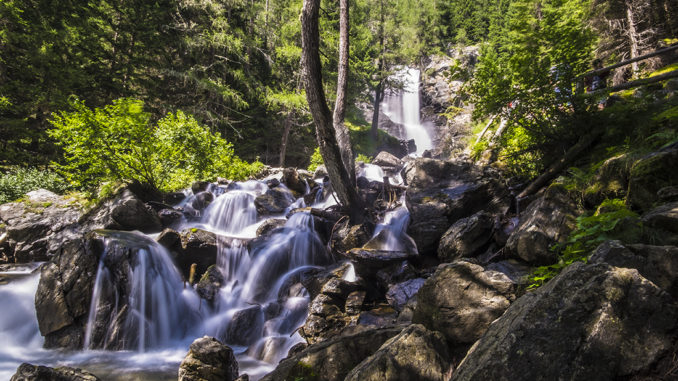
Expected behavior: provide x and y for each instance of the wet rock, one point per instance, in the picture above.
(210, 283)
(208, 360)
(170, 239)
(332, 359)
(381, 316)
(385, 159)
(320, 171)
(245, 326)
(274, 201)
(368, 262)
(354, 302)
(651, 174)
(268, 349)
(399, 294)
(199, 186)
(33, 229)
(199, 247)
(396, 273)
(548, 220)
(201, 201)
(123, 211)
(413, 354)
(347, 237)
(466, 238)
(325, 319)
(29, 372)
(659, 264)
(591, 322)
(292, 180)
(442, 192)
(168, 217)
(64, 293)
(461, 299)
(269, 225)
(174, 198)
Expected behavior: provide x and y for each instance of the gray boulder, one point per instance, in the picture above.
(208, 360)
(64, 293)
(659, 264)
(466, 237)
(664, 217)
(385, 159)
(413, 354)
(274, 201)
(591, 322)
(548, 220)
(33, 229)
(124, 211)
(333, 359)
(210, 283)
(29, 372)
(197, 246)
(442, 192)
(368, 262)
(246, 326)
(462, 299)
(400, 293)
(269, 225)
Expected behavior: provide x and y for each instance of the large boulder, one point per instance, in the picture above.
(664, 217)
(462, 299)
(274, 201)
(659, 264)
(414, 354)
(442, 192)
(210, 283)
(385, 159)
(368, 262)
(466, 237)
(208, 360)
(199, 247)
(548, 220)
(333, 359)
(649, 175)
(246, 326)
(591, 322)
(399, 294)
(64, 293)
(29, 372)
(610, 180)
(123, 211)
(291, 178)
(33, 229)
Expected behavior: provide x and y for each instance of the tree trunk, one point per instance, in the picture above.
(285, 137)
(633, 35)
(343, 137)
(379, 91)
(322, 117)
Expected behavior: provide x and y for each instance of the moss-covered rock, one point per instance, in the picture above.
(651, 174)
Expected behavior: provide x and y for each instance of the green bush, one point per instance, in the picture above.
(316, 160)
(16, 183)
(119, 142)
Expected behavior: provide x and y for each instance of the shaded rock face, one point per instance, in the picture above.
(548, 220)
(414, 354)
(659, 264)
(122, 212)
(32, 230)
(466, 237)
(64, 293)
(199, 247)
(591, 322)
(293, 181)
(399, 294)
(28, 372)
(246, 326)
(461, 299)
(210, 283)
(347, 237)
(368, 262)
(332, 359)
(610, 181)
(208, 360)
(664, 217)
(649, 175)
(442, 192)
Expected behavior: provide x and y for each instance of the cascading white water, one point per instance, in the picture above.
(138, 300)
(403, 108)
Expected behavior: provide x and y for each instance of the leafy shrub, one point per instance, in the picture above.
(605, 224)
(364, 158)
(118, 142)
(16, 183)
(316, 160)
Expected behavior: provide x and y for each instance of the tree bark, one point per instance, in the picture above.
(379, 91)
(343, 137)
(285, 138)
(633, 36)
(322, 117)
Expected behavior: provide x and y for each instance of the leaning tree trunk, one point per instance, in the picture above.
(343, 137)
(633, 35)
(322, 117)
(379, 91)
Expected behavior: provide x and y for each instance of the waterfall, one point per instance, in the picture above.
(403, 108)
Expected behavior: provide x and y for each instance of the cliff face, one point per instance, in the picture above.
(444, 102)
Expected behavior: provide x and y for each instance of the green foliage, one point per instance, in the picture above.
(364, 158)
(118, 142)
(605, 224)
(316, 160)
(17, 182)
